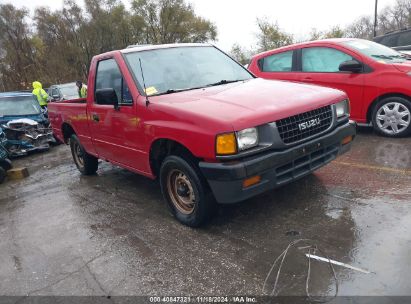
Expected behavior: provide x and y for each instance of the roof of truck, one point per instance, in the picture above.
(139, 48)
(16, 93)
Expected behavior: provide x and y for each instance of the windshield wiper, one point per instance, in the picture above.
(402, 56)
(171, 91)
(382, 56)
(389, 56)
(221, 82)
(224, 81)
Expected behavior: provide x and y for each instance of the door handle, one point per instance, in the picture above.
(95, 117)
(307, 79)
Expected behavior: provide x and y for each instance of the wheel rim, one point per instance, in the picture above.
(78, 154)
(181, 191)
(393, 118)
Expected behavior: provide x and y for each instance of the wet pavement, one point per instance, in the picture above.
(111, 234)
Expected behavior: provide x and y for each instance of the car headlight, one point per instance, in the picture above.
(231, 143)
(343, 108)
(247, 138)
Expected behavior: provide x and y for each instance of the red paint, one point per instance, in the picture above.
(363, 89)
(191, 118)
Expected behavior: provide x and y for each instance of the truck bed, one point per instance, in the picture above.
(73, 111)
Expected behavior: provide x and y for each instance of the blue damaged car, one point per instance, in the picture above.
(24, 123)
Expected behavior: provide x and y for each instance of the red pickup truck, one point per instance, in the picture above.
(208, 128)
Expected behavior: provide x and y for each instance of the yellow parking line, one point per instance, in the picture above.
(379, 168)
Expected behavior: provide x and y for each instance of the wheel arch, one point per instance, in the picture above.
(376, 100)
(67, 130)
(163, 147)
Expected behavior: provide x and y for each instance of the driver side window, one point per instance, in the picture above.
(109, 76)
(323, 59)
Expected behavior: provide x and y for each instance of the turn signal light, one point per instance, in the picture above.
(346, 140)
(226, 144)
(251, 181)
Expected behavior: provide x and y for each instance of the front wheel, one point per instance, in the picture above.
(392, 117)
(185, 191)
(87, 164)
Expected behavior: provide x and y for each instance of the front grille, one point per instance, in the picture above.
(316, 121)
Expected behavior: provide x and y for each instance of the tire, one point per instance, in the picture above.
(3, 175)
(87, 164)
(192, 203)
(391, 117)
(6, 164)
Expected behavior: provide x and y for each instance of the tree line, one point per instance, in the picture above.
(56, 46)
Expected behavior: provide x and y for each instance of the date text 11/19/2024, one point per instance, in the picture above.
(203, 299)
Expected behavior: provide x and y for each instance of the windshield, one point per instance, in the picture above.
(69, 91)
(184, 68)
(376, 51)
(19, 105)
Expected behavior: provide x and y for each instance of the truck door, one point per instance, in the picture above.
(117, 133)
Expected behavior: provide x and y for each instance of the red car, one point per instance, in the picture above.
(202, 123)
(376, 78)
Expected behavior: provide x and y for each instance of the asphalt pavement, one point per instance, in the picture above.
(111, 234)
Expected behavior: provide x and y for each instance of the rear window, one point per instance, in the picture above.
(69, 91)
(281, 62)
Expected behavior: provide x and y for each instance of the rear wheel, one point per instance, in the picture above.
(392, 117)
(3, 175)
(87, 164)
(185, 191)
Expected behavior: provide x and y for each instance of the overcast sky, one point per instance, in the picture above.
(236, 19)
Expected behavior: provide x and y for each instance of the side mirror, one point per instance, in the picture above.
(107, 97)
(351, 66)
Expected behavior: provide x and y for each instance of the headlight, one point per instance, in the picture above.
(247, 139)
(231, 143)
(343, 108)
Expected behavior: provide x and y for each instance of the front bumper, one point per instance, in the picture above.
(276, 168)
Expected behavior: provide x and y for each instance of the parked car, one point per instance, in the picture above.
(23, 121)
(18, 105)
(66, 91)
(202, 123)
(398, 40)
(5, 163)
(376, 78)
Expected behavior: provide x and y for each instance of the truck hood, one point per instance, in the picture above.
(253, 102)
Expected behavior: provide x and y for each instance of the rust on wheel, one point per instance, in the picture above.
(78, 154)
(181, 191)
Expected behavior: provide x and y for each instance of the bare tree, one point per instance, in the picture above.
(270, 36)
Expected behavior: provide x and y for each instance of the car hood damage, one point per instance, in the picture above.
(25, 136)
